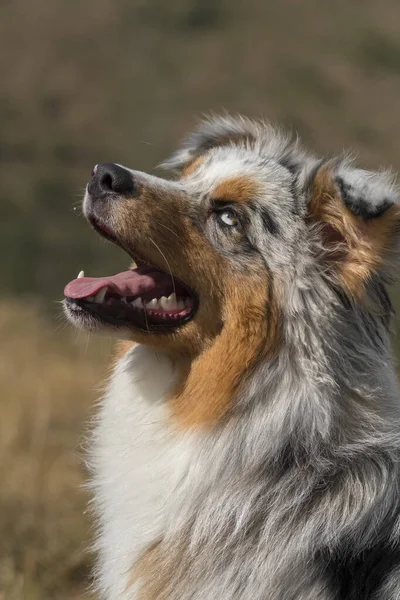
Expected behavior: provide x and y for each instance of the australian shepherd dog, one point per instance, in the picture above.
(247, 445)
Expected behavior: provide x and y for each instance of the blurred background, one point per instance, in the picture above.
(89, 81)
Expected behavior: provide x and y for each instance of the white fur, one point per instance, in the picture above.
(135, 458)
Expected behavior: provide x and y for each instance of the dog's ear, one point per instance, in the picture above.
(212, 133)
(358, 216)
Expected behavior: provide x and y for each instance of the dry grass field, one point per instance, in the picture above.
(48, 376)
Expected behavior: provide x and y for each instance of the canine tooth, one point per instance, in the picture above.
(101, 294)
(172, 302)
(90, 299)
(80, 275)
(137, 303)
(181, 304)
(153, 304)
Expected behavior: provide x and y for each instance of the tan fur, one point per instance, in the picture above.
(251, 330)
(121, 348)
(361, 244)
(193, 166)
(218, 348)
(237, 189)
(156, 581)
(158, 222)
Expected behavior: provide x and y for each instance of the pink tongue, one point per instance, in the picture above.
(128, 283)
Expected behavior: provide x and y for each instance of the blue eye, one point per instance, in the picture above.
(229, 218)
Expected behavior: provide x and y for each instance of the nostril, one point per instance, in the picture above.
(106, 182)
(112, 178)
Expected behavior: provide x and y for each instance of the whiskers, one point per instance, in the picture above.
(77, 205)
(165, 227)
(61, 319)
(166, 261)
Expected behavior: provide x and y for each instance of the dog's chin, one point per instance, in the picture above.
(83, 320)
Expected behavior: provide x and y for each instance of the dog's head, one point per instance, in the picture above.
(250, 225)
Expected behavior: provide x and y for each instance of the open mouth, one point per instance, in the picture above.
(144, 298)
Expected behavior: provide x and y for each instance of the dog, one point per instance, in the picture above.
(247, 445)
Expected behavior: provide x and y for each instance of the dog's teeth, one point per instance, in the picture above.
(164, 302)
(181, 304)
(153, 304)
(80, 275)
(99, 297)
(188, 303)
(137, 303)
(90, 299)
(171, 302)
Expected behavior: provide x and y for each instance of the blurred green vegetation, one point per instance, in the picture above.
(121, 80)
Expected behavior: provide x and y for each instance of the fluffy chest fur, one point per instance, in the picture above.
(136, 459)
(232, 512)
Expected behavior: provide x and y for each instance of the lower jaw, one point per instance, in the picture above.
(125, 316)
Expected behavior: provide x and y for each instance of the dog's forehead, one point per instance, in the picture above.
(240, 164)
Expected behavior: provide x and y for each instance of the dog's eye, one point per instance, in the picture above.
(228, 217)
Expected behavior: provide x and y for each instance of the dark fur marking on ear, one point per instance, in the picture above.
(358, 205)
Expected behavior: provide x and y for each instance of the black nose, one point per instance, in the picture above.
(110, 177)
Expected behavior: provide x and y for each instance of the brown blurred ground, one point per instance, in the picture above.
(88, 81)
(48, 378)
